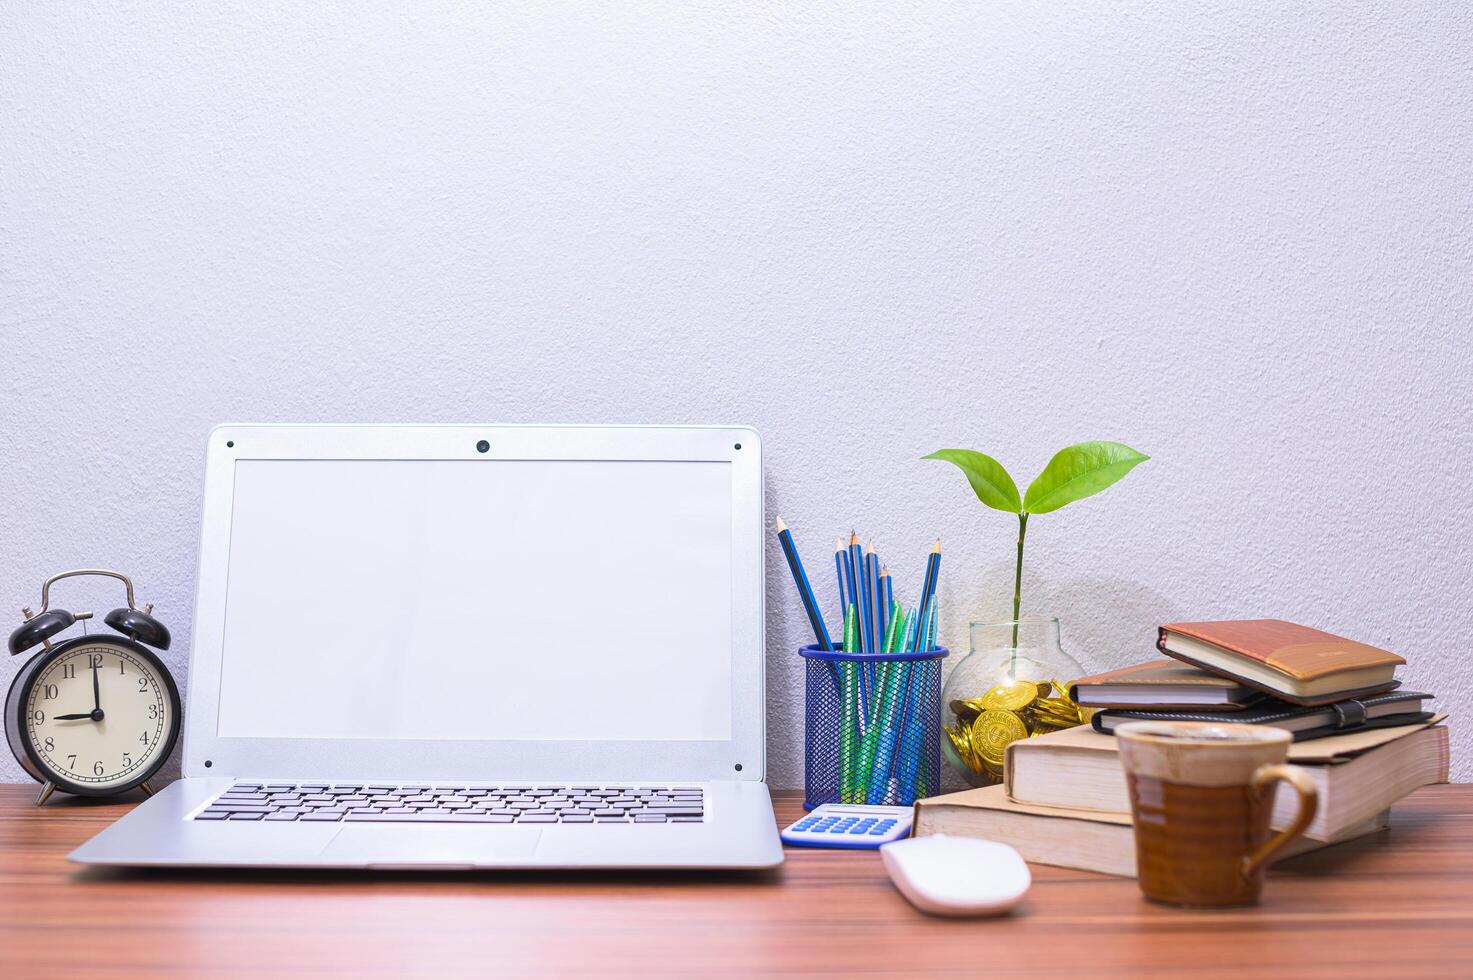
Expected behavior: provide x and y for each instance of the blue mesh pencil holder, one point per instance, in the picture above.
(872, 726)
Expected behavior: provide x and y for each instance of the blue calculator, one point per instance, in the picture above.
(850, 825)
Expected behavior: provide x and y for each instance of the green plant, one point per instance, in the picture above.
(1074, 473)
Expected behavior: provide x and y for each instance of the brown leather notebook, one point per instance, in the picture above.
(1300, 664)
(1163, 684)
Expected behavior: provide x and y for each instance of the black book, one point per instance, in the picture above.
(1375, 711)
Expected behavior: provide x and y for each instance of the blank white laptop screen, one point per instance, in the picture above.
(479, 599)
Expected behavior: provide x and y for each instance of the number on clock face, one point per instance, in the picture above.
(102, 735)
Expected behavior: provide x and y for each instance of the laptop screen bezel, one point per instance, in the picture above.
(740, 757)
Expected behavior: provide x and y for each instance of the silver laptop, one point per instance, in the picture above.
(471, 647)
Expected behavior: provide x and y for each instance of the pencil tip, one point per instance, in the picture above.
(781, 527)
(937, 546)
(853, 539)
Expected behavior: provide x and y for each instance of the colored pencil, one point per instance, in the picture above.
(893, 629)
(805, 590)
(934, 615)
(849, 712)
(885, 784)
(888, 591)
(880, 613)
(852, 564)
(928, 589)
(856, 559)
(839, 572)
(911, 739)
(881, 705)
(867, 593)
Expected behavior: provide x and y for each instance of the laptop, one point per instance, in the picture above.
(460, 647)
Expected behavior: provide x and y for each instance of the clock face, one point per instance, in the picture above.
(99, 716)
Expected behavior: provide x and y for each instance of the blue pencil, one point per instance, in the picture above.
(928, 589)
(839, 554)
(882, 605)
(856, 557)
(867, 592)
(888, 592)
(851, 574)
(910, 736)
(805, 590)
(877, 615)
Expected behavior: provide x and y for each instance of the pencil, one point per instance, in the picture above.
(887, 603)
(867, 593)
(928, 589)
(805, 590)
(849, 711)
(894, 629)
(911, 742)
(852, 565)
(893, 677)
(934, 615)
(909, 738)
(878, 613)
(839, 553)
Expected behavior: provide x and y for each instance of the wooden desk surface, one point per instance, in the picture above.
(1398, 903)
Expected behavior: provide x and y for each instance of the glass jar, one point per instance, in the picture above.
(1013, 684)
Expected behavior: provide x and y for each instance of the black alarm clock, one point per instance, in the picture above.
(92, 715)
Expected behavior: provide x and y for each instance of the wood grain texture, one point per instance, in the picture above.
(1399, 903)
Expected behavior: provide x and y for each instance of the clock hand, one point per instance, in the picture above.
(96, 692)
(79, 717)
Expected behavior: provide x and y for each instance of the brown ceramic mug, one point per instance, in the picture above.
(1201, 794)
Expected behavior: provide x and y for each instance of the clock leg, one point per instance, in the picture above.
(147, 789)
(46, 790)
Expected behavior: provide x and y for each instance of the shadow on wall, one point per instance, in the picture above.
(1104, 623)
(1108, 622)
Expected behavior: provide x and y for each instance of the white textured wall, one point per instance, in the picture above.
(1234, 235)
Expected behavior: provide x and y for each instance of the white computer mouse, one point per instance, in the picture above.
(957, 875)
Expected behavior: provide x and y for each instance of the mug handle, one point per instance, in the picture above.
(1265, 776)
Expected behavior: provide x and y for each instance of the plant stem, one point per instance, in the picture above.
(1018, 585)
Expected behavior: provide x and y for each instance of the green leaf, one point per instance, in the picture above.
(1079, 471)
(992, 484)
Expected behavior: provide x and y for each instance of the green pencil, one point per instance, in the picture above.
(849, 791)
(883, 758)
(882, 694)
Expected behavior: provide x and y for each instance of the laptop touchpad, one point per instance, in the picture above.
(405, 845)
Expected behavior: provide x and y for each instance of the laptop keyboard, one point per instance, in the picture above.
(518, 804)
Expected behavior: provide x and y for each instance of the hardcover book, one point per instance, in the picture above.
(1357, 775)
(1378, 711)
(1296, 663)
(1089, 841)
(1162, 684)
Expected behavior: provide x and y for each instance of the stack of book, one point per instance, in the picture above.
(1366, 743)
